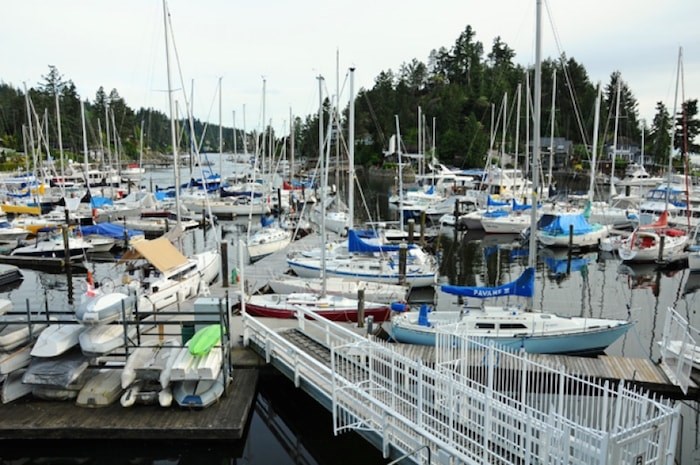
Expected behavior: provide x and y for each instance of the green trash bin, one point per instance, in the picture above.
(187, 331)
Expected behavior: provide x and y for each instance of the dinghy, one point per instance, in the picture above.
(103, 389)
(148, 362)
(65, 371)
(13, 388)
(15, 331)
(13, 361)
(97, 307)
(188, 367)
(57, 339)
(199, 394)
(103, 339)
(203, 340)
(140, 392)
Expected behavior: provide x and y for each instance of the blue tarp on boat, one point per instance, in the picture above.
(560, 225)
(112, 230)
(524, 286)
(356, 244)
(561, 265)
(98, 202)
(491, 202)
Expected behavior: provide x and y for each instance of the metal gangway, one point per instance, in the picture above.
(679, 349)
(507, 409)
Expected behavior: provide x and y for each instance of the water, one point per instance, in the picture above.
(287, 426)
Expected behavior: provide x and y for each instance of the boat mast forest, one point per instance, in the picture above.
(455, 89)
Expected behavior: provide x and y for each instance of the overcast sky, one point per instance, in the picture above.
(120, 44)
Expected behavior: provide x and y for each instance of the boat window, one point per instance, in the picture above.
(485, 326)
(512, 326)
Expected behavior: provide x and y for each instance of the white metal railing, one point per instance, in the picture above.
(678, 348)
(504, 409)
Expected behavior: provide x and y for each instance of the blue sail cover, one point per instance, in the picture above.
(524, 286)
(99, 202)
(560, 225)
(356, 244)
(518, 207)
(112, 230)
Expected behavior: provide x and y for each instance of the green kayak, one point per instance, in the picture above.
(204, 339)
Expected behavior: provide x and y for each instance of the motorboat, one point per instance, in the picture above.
(332, 307)
(55, 247)
(509, 326)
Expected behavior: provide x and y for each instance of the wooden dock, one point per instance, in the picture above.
(226, 420)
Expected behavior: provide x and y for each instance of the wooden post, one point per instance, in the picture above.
(456, 214)
(279, 201)
(224, 263)
(403, 251)
(571, 238)
(411, 228)
(204, 219)
(422, 228)
(662, 243)
(360, 308)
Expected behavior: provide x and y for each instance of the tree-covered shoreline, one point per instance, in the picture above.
(460, 91)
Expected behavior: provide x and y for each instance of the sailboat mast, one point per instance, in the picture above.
(85, 146)
(532, 256)
(324, 186)
(594, 157)
(398, 150)
(351, 151)
(551, 132)
(221, 135)
(60, 138)
(673, 119)
(614, 155)
(173, 132)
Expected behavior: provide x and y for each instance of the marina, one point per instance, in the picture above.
(442, 304)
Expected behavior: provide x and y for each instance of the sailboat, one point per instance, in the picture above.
(333, 307)
(509, 325)
(658, 241)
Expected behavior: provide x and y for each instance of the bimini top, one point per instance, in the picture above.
(524, 286)
(160, 253)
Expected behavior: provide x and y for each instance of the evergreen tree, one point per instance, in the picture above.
(659, 142)
(687, 128)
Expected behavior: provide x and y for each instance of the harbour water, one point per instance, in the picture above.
(289, 427)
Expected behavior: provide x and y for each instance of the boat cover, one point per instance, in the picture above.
(491, 202)
(356, 244)
(524, 286)
(560, 225)
(115, 231)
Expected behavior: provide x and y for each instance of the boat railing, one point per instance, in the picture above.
(678, 345)
(508, 410)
